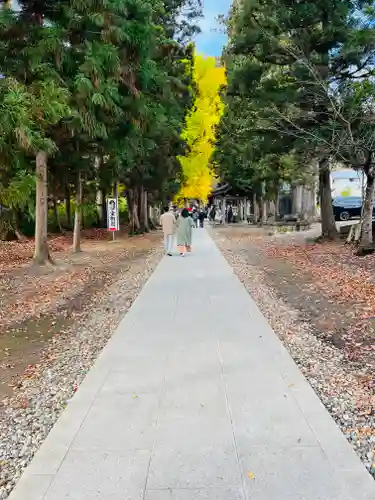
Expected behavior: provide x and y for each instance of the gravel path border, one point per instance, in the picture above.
(337, 384)
(30, 415)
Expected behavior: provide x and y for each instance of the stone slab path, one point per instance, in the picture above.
(195, 398)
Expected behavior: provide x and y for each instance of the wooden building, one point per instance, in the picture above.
(225, 197)
(299, 201)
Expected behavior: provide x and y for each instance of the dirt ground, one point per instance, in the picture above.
(326, 283)
(38, 303)
(320, 300)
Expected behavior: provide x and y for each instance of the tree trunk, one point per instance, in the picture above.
(100, 193)
(141, 209)
(255, 208)
(68, 208)
(146, 214)
(152, 218)
(277, 203)
(366, 244)
(16, 226)
(243, 215)
(297, 200)
(56, 216)
(129, 201)
(134, 226)
(41, 252)
(78, 217)
(137, 225)
(115, 195)
(264, 212)
(105, 213)
(310, 203)
(329, 230)
(100, 199)
(304, 204)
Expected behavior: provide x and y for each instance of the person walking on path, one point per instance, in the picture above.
(201, 217)
(184, 232)
(195, 217)
(168, 223)
(213, 215)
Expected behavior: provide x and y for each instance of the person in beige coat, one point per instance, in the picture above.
(168, 223)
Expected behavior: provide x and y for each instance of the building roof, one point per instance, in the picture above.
(227, 190)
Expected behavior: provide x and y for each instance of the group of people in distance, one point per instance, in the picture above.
(198, 216)
(180, 225)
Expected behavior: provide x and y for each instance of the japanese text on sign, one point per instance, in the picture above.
(113, 223)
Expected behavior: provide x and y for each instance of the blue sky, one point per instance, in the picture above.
(211, 41)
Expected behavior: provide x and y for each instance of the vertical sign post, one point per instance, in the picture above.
(113, 215)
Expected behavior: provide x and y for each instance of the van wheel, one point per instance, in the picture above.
(344, 215)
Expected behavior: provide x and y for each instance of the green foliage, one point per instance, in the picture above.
(17, 203)
(19, 194)
(299, 90)
(103, 88)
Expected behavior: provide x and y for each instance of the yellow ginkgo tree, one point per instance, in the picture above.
(199, 132)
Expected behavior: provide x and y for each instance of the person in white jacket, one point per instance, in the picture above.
(168, 223)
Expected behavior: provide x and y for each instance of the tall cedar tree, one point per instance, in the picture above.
(27, 57)
(117, 85)
(149, 166)
(268, 39)
(108, 48)
(250, 157)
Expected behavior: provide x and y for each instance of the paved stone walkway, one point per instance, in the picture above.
(195, 398)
